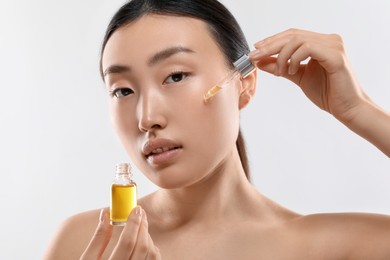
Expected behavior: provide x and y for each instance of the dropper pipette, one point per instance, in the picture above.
(242, 67)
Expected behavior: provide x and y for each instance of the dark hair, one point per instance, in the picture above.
(221, 23)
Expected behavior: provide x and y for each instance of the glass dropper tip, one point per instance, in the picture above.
(214, 90)
(243, 67)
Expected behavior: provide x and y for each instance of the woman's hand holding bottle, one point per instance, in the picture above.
(133, 243)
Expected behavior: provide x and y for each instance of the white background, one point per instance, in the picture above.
(58, 151)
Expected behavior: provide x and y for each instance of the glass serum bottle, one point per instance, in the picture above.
(123, 195)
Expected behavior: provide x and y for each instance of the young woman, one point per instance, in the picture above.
(158, 60)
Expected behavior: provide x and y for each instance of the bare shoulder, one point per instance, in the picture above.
(73, 236)
(347, 235)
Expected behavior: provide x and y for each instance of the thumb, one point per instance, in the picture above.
(100, 239)
(268, 64)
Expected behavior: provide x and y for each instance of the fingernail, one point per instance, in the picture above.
(290, 70)
(101, 216)
(256, 53)
(137, 211)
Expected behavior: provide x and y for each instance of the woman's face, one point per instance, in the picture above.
(158, 68)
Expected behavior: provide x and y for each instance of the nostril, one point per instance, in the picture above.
(150, 119)
(145, 128)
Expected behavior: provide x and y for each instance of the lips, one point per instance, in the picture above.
(159, 146)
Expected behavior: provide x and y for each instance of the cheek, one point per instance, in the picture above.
(213, 127)
(125, 126)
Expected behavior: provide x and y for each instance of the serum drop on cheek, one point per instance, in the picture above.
(242, 67)
(123, 195)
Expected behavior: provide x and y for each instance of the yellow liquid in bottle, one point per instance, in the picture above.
(123, 200)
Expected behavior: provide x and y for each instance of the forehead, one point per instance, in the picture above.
(152, 33)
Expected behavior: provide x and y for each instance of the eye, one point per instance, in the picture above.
(121, 92)
(175, 77)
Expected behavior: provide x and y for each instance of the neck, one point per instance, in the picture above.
(212, 198)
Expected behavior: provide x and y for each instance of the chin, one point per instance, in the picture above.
(180, 174)
(170, 178)
(171, 182)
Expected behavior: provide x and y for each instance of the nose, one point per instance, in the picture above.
(150, 112)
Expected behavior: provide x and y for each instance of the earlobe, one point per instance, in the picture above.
(248, 89)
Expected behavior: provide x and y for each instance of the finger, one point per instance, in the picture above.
(294, 38)
(273, 44)
(272, 38)
(288, 34)
(268, 49)
(285, 54)
(299, 55)
(100, 239)
(154, 252)
(141, 249)
(128, 238)
(268, 64)
(315, 49)
(327, 50)
(331, 59)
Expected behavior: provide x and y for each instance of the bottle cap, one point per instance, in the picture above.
(123, 168)
(244, 66)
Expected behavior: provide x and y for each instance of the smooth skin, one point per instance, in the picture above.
(206, 208)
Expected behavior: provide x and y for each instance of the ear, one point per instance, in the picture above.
(248, 89)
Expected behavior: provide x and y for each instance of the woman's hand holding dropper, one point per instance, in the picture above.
(326, 79)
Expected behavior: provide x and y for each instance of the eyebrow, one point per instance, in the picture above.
(156, 58)
(165, 54)
(115, 69)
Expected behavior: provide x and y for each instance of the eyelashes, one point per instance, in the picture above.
(121, 92)
(173, 78)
